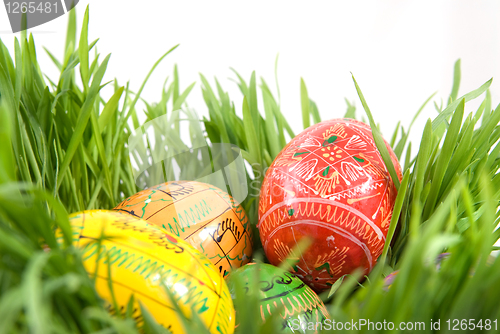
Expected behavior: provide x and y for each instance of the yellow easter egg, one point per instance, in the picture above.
(143, 260)
(203, 215)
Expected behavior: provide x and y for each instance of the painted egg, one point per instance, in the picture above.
(281, 291)
(143, 260)
(330, 184)
(203, 215)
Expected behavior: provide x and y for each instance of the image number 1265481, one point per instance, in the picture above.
(28, 14)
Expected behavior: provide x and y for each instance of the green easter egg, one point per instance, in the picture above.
(280, 291)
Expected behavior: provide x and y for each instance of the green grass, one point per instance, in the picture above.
(64, 150)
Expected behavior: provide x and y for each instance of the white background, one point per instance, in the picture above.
(399, 52)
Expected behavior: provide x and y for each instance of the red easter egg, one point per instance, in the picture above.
(330, 184)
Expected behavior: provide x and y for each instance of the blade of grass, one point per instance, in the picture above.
(377, 137)
(398, 205)
(251, 134)
(83, 51)
(456, 81)
(444, 158)
(82, 119)
(452, 106)
(304, 101)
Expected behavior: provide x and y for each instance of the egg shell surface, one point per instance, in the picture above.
(281, 291)
(203, 215)
(143, 260)
(330, 184)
